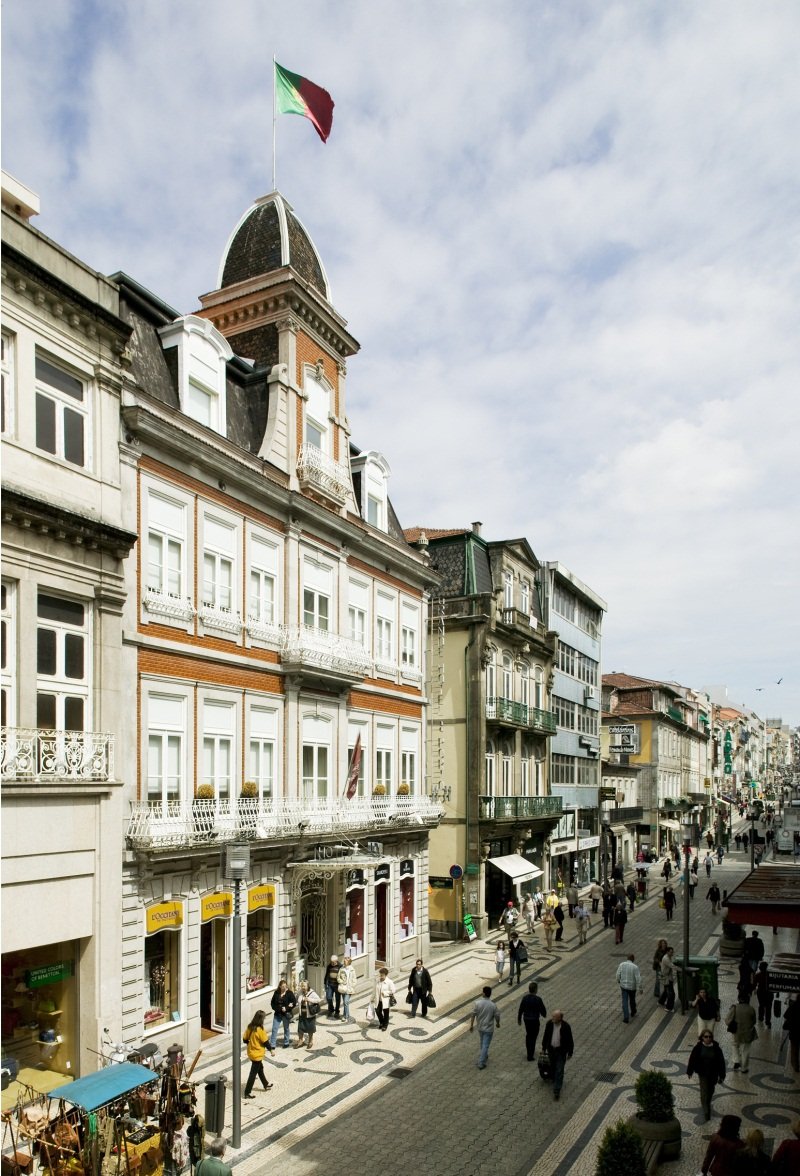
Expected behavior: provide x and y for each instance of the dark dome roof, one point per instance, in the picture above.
(268, 237)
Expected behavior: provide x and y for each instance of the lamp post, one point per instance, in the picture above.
(236, 866)
(752, 816)
(687, 829)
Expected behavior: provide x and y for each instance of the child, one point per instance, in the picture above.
(500, 959)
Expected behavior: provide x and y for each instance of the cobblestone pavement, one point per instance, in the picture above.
(413, 1097)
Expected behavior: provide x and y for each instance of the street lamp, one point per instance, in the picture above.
(236, 866)
(752, 816)
(687, 831)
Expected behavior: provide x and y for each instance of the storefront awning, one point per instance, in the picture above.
(517, 867)
(665, 824)
(104, 1086)
(619, 830)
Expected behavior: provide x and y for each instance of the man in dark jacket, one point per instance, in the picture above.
(754, 950)
(708, 1062)
(791, 1023)
(332, 992)
(420, 986)
(531, 1010)
(558, 1042)
(620, 919)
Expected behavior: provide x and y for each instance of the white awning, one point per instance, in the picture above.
(619, 830)
(669, 824)
(517, 867)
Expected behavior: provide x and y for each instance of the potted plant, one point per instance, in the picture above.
(655, 1118)
(379, 790)
(203, 810)
(247, 808)
(403, 789)
(732, 941)
(620, 1151)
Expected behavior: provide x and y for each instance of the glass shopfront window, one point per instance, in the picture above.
(355, 915)
(39, 1010)
(258, 965)
(161, 978)
(407, 927)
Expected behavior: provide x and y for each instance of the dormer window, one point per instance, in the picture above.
(202, 353)
(318, 407)
(374, 471)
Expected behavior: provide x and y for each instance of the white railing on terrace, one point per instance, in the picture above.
(165, 605)
(187, 823)
(45, 756)
(315, 468)
(308, 646)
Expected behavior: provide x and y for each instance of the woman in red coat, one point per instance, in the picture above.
(722, 1148)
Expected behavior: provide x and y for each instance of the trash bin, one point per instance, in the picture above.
(703, 972)
(215, 1104)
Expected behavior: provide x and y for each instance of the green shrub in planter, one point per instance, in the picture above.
(620, 1152)
(654, 1096)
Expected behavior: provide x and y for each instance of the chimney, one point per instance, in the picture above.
(18, 198)
(476, 528)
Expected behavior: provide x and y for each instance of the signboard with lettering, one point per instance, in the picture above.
(623, 738)
(163, 916)
(406, 867)
(260, 896)
(440, 883)
(383, 872)
(48, 974)
(588, 842)
(216, 906)
(355, 877)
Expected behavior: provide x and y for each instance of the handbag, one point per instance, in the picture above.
(392, 1001)
(522, 954)
(370, 1012)
(313, 1008)
(661, 903)
(776, 1008)
(733, 1027)
(409, 997)
(431, 1003)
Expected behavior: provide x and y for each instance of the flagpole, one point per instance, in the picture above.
(274, 123)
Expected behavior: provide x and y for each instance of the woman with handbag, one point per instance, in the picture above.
(517, 956)
(658, 956)
(283, 1005)
(308, 1002)
(384, 997)
(667, 998)
(347, 986)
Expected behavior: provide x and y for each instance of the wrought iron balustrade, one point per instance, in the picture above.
(519, 714)
(319, 471)
(45, 756)
(519, 808)
(174, 824)
(305, 646)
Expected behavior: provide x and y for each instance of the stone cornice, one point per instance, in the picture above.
(22, 510)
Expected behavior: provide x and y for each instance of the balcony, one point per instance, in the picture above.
(515, 617)
(198, 824)
(320, 654)
(632, 814)
(519, 714)
(43, 757)
(519, 808)
(322, 474)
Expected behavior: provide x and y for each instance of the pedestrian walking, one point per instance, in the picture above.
(720, 855)
(509, 918)
(608, 908)
(620, 894)
(786, 1161)
(572, 899)
(745, 842)
(538, 898)
(384, 997)
(620, 919)
(722, 1147)
(308, 1005)
(331, 981)
(582, 921)
(347, 986)
(549, 924)
(752, 1160)
(530, 1012)
(558, 915)
(595, 894)
(658, 955)
(283, 1004)
(256, 1041)
(692, 883)
(707, 1061)
(666, 870)
(714, 897)
(764, 997)
(791, 1024)
(213, 1164)
(753, 950)
(738, 840)
(552, 901)
(629, 979)
(529, 911)
(667, 998)
(630, 891)
(558, 1043)
(420, 987)
(741, 1022)
(517, 956)
(486, 1015)
(707, 1012)
(669, 901)
(707, 863)
(500, 959)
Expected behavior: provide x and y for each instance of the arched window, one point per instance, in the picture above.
(490, 682)
(490, 768)
(506, 769)
(507, 679)
(538, 687)
(524, 683)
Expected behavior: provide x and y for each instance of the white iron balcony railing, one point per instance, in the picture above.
(320, 472)
(48, 756)
(305, 647)
(164, 604)
(181, 824)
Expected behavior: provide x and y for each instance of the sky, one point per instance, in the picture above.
(565, 234)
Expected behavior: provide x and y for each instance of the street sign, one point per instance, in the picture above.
(623, 738)
(456, 872)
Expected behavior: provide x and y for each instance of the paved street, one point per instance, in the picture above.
(414, 1098)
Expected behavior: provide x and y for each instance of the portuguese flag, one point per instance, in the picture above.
(296, 95)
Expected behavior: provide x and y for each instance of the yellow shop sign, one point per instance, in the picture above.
(216, 906)
(163, 916)
(260, 896)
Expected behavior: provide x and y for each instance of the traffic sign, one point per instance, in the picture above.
(456, 872)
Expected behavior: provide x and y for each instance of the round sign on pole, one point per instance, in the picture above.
(456, 872)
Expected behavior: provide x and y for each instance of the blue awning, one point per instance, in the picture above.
(95, 1090)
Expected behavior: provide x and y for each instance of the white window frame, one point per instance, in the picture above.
(506, 769)
(318, 585)
(525, 598)
(263, 725)
(507, 677)
(354, 730)
(409, 639)
(220, 555)
(218, 753)
(203, 353)
(8, 392)
(385, 763)
(170, 731)
(58, 684)
(161, 605)
(64, 402)
(508, 590)
(319, 397)
(263, 587)
(385, 632)
(8, 669)
(490, 768)
(317, 786)
(409, 758)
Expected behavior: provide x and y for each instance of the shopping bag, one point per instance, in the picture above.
(370, 1012)
(431, 1002)
(661, 903)
(409, 997)
(544, 1065)
(776, 1008)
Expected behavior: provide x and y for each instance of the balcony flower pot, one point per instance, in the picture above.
(655, 1118)
(621, 1151)
(379, 790)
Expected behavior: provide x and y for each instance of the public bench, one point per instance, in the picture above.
(652, 1154)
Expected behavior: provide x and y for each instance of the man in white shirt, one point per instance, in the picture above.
(629, 979)
(486, 1016)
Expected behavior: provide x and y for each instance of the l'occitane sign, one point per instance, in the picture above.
(163, 916)
(260, 896)
(216, 906)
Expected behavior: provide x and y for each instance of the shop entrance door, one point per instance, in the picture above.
(313, 921)
(381, 922)
(214, 976)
